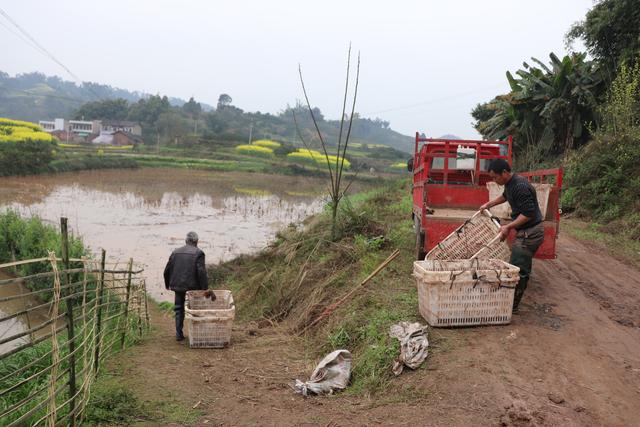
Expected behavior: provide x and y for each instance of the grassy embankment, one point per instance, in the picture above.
(303, 271)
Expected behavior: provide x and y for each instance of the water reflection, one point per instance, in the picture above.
(146, 215)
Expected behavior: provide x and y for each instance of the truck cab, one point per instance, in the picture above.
(451, 181)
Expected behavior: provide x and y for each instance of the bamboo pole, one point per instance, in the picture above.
(70, 327)
(126, 305)
(86, 371)
(96, 359)
(55, 356)
(146, 301)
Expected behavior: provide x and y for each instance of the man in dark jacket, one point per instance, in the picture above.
(184, 272)
(526, 220)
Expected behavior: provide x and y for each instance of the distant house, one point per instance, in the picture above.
(126, 138)
(62, 135)
(129, 127)
(117, 138)
(87, 129)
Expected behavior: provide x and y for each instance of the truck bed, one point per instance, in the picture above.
(454, 214)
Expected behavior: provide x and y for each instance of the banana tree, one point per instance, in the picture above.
(558, 100)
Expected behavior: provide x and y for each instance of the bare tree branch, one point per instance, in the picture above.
(342, 144)
(350, 182)
(315, 123)
(353, 107)
(344, 107)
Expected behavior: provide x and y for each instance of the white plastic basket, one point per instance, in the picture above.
(465, 292)
(504, 210)
(209, 323)
(476, 238)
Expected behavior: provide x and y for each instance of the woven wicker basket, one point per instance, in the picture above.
(465, 292)
(209, 323)
(476, 238)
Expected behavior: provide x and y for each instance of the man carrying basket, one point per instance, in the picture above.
(184, 272)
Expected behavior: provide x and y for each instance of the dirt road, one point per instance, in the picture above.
(570, 358)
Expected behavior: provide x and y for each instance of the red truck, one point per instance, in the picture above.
(450, 180)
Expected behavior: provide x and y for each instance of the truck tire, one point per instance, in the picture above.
(419, 249)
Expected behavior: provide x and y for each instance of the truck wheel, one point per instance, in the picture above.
(419, 250)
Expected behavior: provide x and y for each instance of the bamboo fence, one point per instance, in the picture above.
(92, 309)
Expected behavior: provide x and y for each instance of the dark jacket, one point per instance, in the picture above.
(523, 200)
(185, 270)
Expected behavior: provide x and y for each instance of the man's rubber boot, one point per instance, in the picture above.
(521, 258)
(519, 293)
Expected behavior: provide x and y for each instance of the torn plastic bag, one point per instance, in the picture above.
(413, 345)
(331, 374)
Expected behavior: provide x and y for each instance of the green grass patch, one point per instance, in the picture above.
(113, 403)
(165, 307)
(617, 241)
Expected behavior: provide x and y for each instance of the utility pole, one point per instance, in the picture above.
(250, 130)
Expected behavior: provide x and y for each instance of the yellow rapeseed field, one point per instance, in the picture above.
(19, 131)
(255, 150)
(267, 143)
(313, 156)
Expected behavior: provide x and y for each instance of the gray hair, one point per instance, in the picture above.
(192, 238)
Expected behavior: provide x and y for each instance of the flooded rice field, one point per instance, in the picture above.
(146, 213)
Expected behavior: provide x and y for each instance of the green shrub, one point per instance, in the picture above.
(24, 158)
(22, 239)
(603, 178)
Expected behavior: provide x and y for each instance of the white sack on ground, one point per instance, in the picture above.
(332, 373)
(413, 345)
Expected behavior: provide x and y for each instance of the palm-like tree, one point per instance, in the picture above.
(557, 101)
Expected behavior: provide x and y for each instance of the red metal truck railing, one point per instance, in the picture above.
(449, 151)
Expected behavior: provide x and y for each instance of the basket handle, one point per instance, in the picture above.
(491, 242)
(488, 213)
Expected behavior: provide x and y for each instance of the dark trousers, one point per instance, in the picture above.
(523, 249)
(179, 311)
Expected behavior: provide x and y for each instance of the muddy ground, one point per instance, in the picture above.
(571, 358)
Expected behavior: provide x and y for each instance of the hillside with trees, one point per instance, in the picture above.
(35, 96)
(167, 120)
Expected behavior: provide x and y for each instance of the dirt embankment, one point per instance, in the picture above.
(571, 358)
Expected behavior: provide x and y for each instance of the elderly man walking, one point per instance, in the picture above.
(184, 272)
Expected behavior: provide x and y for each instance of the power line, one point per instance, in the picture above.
(44, 95)
(20, 36)
(44, 51)
(432, 101)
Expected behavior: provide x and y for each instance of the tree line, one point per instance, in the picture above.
(192, 124)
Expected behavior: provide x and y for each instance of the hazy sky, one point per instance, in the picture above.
(425, 64)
